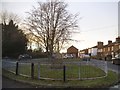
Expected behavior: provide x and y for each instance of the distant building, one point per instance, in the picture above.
(92, 51)
(99, 52)
(111, 49)
(73, 50)
(104, 51)
(84, 51)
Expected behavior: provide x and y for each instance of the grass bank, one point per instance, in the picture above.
(111, 79)
(56, 71)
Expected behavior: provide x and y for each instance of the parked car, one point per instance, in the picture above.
(24, 56)
(116, 59)
(68, 56)
(86, 57)
(64, 56)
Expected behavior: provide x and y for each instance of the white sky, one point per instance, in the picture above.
(99, 18)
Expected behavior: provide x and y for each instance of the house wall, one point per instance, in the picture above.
(94, 52)
(110, 50)
(72, 50)
(90, 50)
(116, 47)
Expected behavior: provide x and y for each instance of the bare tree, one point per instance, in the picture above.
(52, 24)
(6, 17)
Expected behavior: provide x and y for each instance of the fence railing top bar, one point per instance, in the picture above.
(9, 62)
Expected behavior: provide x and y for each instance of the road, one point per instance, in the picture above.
(113, 67)
(9, 83)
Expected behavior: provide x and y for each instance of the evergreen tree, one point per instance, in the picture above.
(14, 41)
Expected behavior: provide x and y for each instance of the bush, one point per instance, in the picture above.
(38, 55)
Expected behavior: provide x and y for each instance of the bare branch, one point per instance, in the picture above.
(51, 23)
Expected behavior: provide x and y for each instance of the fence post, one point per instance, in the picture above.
(38, 70)
(64, 76)
(16, 68)
(32, 70)
(79, 71)
(106, 70)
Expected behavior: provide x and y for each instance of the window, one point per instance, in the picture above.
(104, 49)
(98, 50)
(108, 48)
(112, 48)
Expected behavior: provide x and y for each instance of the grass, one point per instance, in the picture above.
(72, 71)
(25, 69)
(111, 79)
(86, 71)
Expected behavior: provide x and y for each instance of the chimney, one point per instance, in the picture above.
(118, 39)
(99, 44)
(109, 42)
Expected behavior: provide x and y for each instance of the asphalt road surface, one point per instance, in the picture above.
(9, 83)
(113, 67)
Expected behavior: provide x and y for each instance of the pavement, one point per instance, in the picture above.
(9, 83)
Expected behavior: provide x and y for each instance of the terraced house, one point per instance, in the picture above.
(101, 51)
(110, 50)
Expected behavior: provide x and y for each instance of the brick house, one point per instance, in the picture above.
(99, 51)
(72, 50)
(104, 51)
(109, 50)
(83, 52)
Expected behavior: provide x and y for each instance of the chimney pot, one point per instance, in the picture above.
(109, 42)
(100, 44)
(118, 39)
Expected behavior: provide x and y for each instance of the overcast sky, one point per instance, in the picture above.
(99, 19)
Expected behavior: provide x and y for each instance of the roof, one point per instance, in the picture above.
(114, 43)
(94, 47)
(84, 50)
(73, 47)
